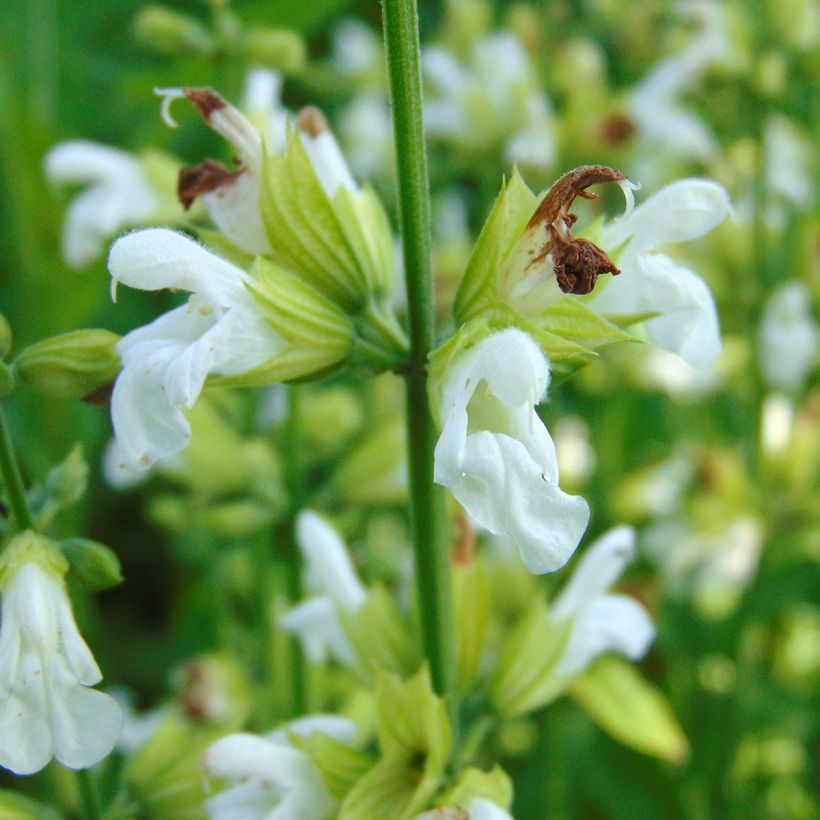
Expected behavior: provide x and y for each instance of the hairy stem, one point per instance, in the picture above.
(426, 500)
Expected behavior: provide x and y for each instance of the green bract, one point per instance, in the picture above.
(631, 709)
(71, 365)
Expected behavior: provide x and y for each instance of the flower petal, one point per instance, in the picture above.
(159, 258)
(85, 161)
(316, 623)
(611, 623)
(25, 735)
(687, 324)
(234, 209)
(684, 210)
(86, 726)
(599, 568)
(244, 755)
(329, 560)
(147, 425)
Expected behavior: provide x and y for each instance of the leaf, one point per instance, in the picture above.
(512, 210)
(631, 709)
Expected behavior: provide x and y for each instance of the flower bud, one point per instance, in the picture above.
(279, 48)
(169, 32)
(5, 336)
(96, 565)
(71, 365)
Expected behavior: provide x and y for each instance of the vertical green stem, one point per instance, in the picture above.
(426, 500)
(15, 490)
(88, 796)
(295, 476)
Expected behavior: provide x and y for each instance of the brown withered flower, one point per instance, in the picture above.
(577, 262)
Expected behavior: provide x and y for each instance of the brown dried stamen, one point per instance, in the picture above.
(577, 262)
(312, 121)
(202, 179)
(205, 101)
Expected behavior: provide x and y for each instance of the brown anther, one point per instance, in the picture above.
(202, 179)
(577, 262)
(205, 101)
(312, 121)
(464, 551)
(100, 396)
(616, 129)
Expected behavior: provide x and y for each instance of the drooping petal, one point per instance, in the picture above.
(316, 624)
(329, 560)
(685, 210)
(159, 258)
(147, 425)
(86, 726)
(611, 623)
(599, 568)
(245, 755)
(85, 161)
(687, 324)
(25, 735)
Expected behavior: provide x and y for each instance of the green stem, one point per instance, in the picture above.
(426, 499)
(295, 477)
(88, 796)
(15, 489)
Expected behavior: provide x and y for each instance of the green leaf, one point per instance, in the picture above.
(512, 210)
(17, 806)
(494, 785)
(340, 765)
(631, 709)
(523, 679)
(382, 639)
(471, 604)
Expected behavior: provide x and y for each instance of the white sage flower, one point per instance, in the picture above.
(231, 197)
(119, 196)
(687, 321)
(480, 808)
(165, 364)
(496, 456)
(600, 621)
(268, 778)
(493, 99)
(330, 572)
(46, 706)
(788, 337)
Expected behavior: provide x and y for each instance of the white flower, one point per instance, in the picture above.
(493, 99)
(480, 808)
(496, 456)
(165, 364)
(46, 707)
(231, 197)
(269, 779)
(655, 105)
(601, 622)
(330, 571)
(788, 337)
(119, 195)
(687, 323)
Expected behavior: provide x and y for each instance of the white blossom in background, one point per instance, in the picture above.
(496, 456)
(219, 331)
(788, 338)
(601, 621)
(330, 572)
(789, 167)
(651, 282)
(367, 134)
(47, 708)
(656, 105)
(268, 778)
(493, 99)
(712, 566)
(118, 195)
